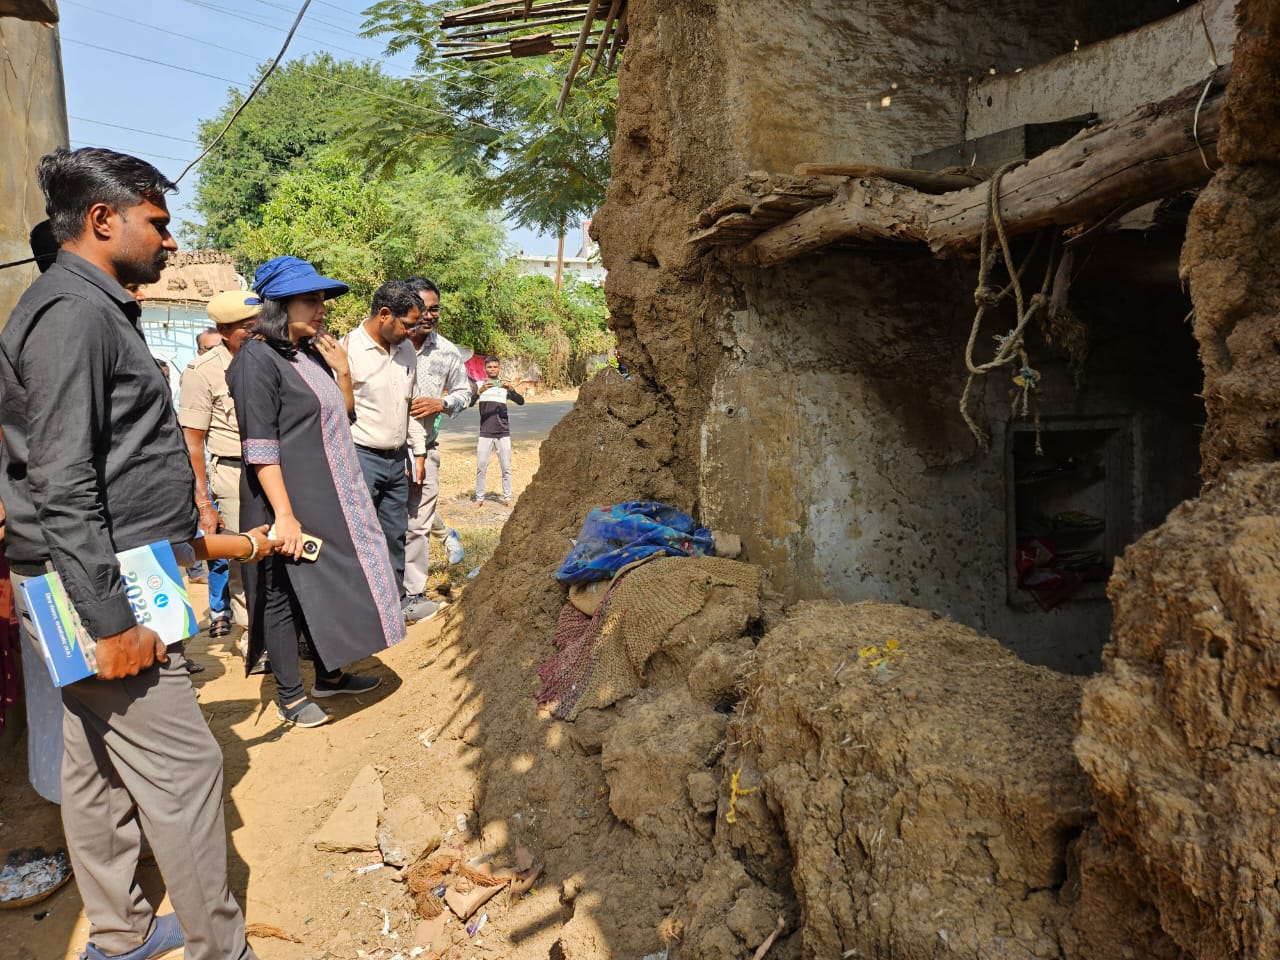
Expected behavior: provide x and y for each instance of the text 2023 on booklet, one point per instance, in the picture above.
(153, 584)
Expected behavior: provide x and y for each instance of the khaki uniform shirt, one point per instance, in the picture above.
(205, 404)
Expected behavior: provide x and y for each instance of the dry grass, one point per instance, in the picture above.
(479, 525)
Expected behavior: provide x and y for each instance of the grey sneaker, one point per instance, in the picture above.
(418, 607)
(453, 547)
(166, 936)
(304, 714)
(346, 683)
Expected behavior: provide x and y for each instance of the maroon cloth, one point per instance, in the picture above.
(10, 641)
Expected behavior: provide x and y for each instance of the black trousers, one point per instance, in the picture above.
(285, 628)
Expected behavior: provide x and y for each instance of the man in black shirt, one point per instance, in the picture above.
(495, 429)
(94, 463)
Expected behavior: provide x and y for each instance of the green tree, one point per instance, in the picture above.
(297, 114)
(364, 231)
(496, 120)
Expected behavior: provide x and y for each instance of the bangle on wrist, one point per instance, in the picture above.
(204, 503)
(253, 550)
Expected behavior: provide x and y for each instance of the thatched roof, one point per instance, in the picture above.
(194, 275)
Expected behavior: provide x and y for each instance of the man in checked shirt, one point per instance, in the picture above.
(443, 387)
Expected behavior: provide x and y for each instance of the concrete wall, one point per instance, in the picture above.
(1111, 79)
(33, 115)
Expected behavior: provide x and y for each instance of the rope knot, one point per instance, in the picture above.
(985, 296)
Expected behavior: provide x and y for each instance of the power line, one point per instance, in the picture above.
(144, 153)
(328, 23)
(158, 63)
(182, 36)
(270, 26)
(318, 76)
(256, 87)
(343, 9)
(149, 133)
(202, 41)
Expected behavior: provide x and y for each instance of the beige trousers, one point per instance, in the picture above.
(425, 524)
(139, 757)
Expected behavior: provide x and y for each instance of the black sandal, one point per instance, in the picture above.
(219, 627)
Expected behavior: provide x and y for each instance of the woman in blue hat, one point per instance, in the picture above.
(292, 392)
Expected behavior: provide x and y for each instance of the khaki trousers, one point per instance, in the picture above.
(139, 758)
(224, 480)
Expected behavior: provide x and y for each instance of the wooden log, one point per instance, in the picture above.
(926, 181)
(869, 210)
(1102, 172)
(786, 205)
(731, 229)
(1099, 173)
(532, 46)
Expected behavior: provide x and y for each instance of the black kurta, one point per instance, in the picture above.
(291, 412)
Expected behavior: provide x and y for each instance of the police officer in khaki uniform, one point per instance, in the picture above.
(208, 419)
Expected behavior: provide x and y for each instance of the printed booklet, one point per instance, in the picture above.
(154, 586)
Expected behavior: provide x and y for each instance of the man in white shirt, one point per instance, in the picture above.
(384, 379)
(443, 389)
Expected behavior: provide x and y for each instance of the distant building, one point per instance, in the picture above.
(174, 312)
(580, 268)
(584, 265)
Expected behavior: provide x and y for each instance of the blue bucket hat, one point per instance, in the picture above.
(286, 276)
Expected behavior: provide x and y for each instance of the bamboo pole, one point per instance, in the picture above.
(619, 38)
(577, 55)
(614, 8)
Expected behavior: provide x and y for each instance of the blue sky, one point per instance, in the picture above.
(141, 74)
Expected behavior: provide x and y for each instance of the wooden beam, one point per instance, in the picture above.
(506, 12)
(867, 210)
(513, 27)
(1099, 173)
(926, 181)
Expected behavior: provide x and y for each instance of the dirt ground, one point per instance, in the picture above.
(282, 783)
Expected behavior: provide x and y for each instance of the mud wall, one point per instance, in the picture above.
(1178, 733)
(816, 404)
(1229, 259)
(33, 114)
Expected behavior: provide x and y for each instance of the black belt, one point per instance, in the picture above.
(221, 459)
(386, 454)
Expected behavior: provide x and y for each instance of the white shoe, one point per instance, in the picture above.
(417, 607)
(453, 547)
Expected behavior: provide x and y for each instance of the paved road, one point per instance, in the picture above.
(533, 421)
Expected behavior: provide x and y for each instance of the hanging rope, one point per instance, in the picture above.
(1010, 347)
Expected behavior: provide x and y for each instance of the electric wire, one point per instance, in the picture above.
(149, 133)
(158, 63)
(249, 98)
